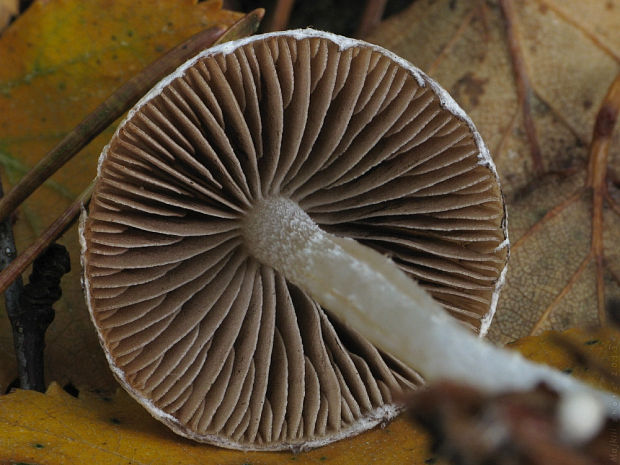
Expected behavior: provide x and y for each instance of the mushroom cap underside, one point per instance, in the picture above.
(221, 347)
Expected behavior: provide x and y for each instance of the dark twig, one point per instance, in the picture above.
(13, 289)
(36, 314)
(29, 308)
(51, 234)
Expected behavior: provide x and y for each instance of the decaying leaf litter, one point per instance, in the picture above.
(533, 89)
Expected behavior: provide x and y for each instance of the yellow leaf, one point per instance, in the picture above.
(58, 61)
(55, 428)
(601, 345)
(532, 74)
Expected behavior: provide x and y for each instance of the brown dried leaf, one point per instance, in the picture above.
(532, 75)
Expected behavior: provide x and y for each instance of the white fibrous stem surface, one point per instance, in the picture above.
(368, 292)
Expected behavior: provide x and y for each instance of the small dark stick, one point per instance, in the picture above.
(35, 313)
(8, 252)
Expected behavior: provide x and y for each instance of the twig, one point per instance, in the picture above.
(14, 288)
(281, 15)
(373, 12)
(36, 314)
(14, 270)
(244, 27)
(524, 86)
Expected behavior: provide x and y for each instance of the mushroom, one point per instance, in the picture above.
(223, 217)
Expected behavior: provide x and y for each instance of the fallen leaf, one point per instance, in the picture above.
(532, 75)
(602, 345)
(56, 428)
(50, 80)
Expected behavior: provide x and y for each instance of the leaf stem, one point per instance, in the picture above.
(604, 124)
(523, 83)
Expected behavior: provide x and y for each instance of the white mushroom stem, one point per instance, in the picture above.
(367, 291)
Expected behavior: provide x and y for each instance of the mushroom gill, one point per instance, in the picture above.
(212, 338)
